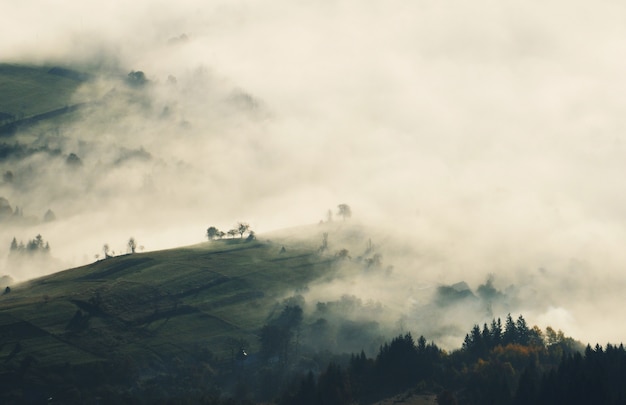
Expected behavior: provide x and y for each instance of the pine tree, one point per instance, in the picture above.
(510, 331)
(523, 333)
(496, 332)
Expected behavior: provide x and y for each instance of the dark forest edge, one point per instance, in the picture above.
(499, 363)
(510, 364)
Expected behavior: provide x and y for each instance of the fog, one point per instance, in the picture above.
(484, 137)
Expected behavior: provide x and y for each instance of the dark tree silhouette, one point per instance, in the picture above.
(105, 249)
(510, 331)
(279, 337)
(334, 386)
(137, 78)
(344, 211)
(49, 216)
(36, 246)
(132, 245)
(242, 227)
(212, 233)
(73, 160)
(343, 254)
(324, 245)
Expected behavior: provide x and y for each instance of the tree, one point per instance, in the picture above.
(242, 227)
(334, 386)
(132, 245)
(49, 216)
(344, 211)
(496, 332)
(232, 233)
(137, 78)
(523, 333)
(5, 208)
(212, 232)
(36, 244)
(105, 249)
(510, 331)
(324, 245)
(343, 254)
(397, 364)
(279, 337)
(73, 160)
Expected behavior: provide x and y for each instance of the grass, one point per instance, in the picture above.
(29, 90)
(163, 304)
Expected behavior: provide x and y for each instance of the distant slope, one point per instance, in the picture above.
(31, 94)
(28, 90)
(152, 306)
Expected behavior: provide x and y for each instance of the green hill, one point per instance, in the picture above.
(153, 305)
(178, 318)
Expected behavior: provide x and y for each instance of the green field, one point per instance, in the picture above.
(26, 91)
(154, 305)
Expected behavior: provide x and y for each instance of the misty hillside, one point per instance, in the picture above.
(92, 153)
(245, 319)
(479, 148)
(154, 305)
(138, 318)
(75, 144)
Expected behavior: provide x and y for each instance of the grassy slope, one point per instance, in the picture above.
(153, 306)
(27, 90)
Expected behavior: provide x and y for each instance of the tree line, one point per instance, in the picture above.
(34, 246)
(131, 247)
(241, 228)
(506, 363)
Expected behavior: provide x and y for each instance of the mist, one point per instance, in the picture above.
(484, 138)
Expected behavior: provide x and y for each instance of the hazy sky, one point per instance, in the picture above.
(490, 133)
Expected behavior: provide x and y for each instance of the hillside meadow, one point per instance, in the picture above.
(168, 303)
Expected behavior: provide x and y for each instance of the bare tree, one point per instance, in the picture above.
(132, 245)
(242, 227)
(105, 249)
(324, 245)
